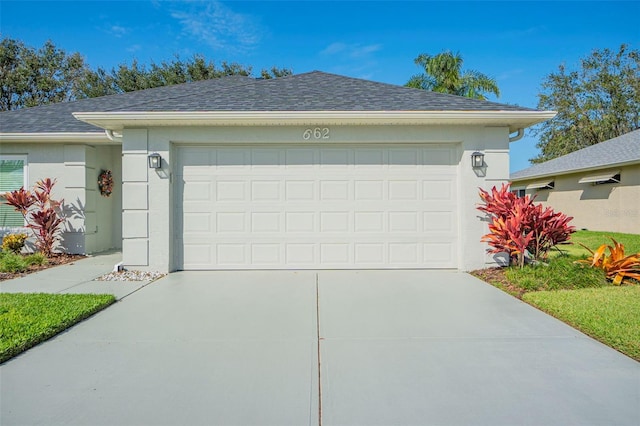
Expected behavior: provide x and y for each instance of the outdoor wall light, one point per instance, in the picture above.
(477, 160)
(155, 161)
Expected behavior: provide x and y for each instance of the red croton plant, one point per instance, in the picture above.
(41, 213)
(520, 227)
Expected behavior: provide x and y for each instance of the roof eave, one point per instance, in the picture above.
(580, 170)
(97, 138)
(122, 119)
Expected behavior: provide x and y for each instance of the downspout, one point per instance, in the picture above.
(518, 136)
(113, 137)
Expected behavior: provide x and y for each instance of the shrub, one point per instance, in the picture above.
(41, 212)
(520, 227)
(35, 259)
(13, 242)
(616, 266)
(12, 263)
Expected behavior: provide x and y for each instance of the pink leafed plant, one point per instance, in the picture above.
(520, 227)
(41, 212)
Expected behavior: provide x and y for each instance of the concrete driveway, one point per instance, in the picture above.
(330, 348)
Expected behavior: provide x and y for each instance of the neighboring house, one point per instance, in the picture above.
(598, 185)
(310, 171)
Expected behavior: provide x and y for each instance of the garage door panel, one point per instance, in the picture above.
(300, 190)
(314, 207)
(365, 190)
(438, 254)
(266, 222)
(266, 191)
(438, 222)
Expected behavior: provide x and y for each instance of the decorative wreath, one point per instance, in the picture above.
(105, 183)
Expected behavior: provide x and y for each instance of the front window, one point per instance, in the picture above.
(520, 192)
(13, 175)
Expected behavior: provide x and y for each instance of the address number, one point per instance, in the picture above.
(316, 133)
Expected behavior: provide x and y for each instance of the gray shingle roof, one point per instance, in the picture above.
(313, 91)
(623, 149)
(58, 118)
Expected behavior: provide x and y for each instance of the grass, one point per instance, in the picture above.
(560, 273)
(594, 239)
(27, 319)
(609, 314)
(580, 295)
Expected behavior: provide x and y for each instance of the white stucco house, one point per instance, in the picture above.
(310, 171)
(599, 186)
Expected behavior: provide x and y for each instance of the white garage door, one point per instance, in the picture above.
(312, 207)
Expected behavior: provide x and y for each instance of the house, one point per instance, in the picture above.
(310, 171)
(598, 185)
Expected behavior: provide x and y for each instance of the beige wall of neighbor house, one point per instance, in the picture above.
(92, 221)
(149, 195)
(612, 207)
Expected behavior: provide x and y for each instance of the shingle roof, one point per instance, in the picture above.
(313, 91)
(623, 149)
(58, 118)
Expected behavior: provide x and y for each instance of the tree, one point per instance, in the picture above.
(600, 101)
(128, 78)
(30, 77)
(443, 73)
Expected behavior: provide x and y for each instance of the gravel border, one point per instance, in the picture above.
(126, 275)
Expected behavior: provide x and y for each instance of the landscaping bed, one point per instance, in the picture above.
(577, 294)
(54, 260)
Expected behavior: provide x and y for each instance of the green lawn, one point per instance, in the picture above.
(608, 314)
(593, 240)
(27, 319)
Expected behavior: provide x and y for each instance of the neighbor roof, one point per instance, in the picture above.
(313, 91)
(624, 149)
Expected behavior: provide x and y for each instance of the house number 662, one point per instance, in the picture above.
(316, 133)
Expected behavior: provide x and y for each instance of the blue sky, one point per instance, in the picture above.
(516, 42)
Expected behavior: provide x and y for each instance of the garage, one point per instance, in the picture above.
(358, 206)
(308, 171)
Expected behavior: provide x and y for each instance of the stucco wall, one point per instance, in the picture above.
(91, 225)
(606, 207)
(148, 204)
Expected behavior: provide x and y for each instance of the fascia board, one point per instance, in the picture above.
(58, 137)
(573, 171)
(122, 119)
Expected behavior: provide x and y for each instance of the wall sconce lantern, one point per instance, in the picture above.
(477, 160)
(155, 161)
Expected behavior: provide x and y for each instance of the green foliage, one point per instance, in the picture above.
(36, 259)
(597, 102)
(128, 78)
(443, 73)
(31, 77)
(28, 319)
(560, 273)
(12, 262)
(597, 238)
(13, 242)
(608, 314)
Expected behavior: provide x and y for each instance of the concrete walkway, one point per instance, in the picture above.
(330, 348)
(77, 277)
